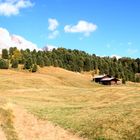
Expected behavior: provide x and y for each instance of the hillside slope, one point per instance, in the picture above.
(48, 77)
(68, 78)
(70, 100)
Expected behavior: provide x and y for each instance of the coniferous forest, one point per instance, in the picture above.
(124, 68)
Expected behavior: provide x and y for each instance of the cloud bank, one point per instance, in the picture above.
(49, 47)
(117, 56)
(53, 24)
(7, 40)
(13, 7)
(53, 34)
(81, 27)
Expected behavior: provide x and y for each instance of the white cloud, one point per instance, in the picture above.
(49, 47)
(114, 55)
(81, 27)
(12, 7)
(53, 34)
(53, 24)
(7, 40)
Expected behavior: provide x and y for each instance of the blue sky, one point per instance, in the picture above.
(102, 27)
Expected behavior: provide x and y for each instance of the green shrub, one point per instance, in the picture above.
(34, 68)
(123, 81)
(4, 64)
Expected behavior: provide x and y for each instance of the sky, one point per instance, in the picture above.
(101, 27)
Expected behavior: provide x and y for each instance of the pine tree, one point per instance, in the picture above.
(5, 54)
(34, 68)
(28, 63)
(123, 81)
(11, 51)
(40, 61)
(87, 64)
(4, 64)
(14, 63)
(55, 63)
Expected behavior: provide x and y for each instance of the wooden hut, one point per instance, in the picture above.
(98, 78)
(105, 80)
(109, 81)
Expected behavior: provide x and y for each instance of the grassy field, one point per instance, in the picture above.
(73, 102)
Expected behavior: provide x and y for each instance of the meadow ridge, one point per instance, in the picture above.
(67, 103)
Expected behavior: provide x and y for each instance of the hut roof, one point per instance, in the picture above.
(99, 76)
(109, 79)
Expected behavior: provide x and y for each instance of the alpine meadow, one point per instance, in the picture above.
(77, 77)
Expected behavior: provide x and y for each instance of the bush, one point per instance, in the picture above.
(137, 79)
(14, 63)
(34, 69)
(123, 81)
(4, 64)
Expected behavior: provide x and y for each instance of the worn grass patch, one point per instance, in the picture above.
(6, 122)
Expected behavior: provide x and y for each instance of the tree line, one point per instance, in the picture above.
(74, 60)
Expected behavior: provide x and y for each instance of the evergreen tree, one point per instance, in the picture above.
(14, 63)
(87, 64)
(74, 60)
(123, 81)
(5, 54)
(47, 61)
(28, 63)
(11, 51)
(106, 68)
(60, 64)
(34, 68)
(40, 61)
(4, 64)
(55, 63)
(80, 64)
(135, 67)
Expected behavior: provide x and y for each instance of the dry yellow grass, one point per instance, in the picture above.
(72, 101)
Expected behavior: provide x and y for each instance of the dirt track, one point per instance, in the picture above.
(30, 128)
(2, 135)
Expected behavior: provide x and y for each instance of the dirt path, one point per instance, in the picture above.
(2, 135)
(30, 128)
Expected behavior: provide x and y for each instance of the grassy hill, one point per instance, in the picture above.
(73, 102)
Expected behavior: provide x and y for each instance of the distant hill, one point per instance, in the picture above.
(73, 60)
